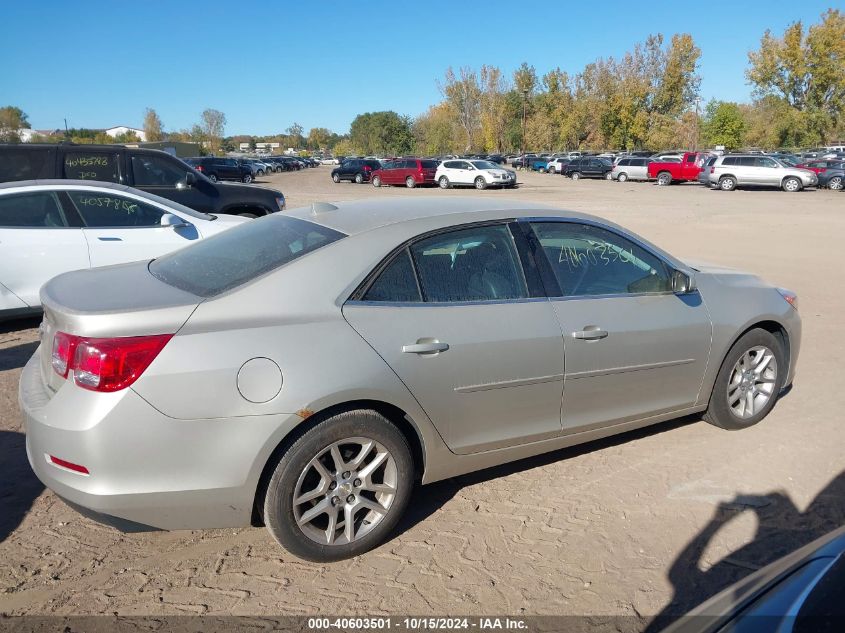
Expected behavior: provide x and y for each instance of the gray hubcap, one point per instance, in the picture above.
(791, 185)
(752, 382)
(345, 491)
(835, 183)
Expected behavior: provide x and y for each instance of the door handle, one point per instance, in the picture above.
(110, 239)
(425, 346)
(590, 333)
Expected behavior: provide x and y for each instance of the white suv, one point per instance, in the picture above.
(733, 170)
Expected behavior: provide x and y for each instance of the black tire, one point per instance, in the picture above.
(480, 183)
(212, 177)
(622, 177)
(792, 184)
(664, 179)
(246, 179)
(552, 170)
(336, 177)
(718, 411)
(410, 183)
(576, 175)
(836, 183)
(260, 172)
(443, 182)
(359, 178)
(727, 183)
(278, 502)
(376, 180)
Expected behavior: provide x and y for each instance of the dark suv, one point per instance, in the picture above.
(150, 170)
(357, 169)
(216, 168)
(588, 167)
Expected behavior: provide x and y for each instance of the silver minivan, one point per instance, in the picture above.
(733, 170)
(630, 169)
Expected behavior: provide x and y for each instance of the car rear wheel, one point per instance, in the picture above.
(339, 490)
(542, 170)
(727, 183)
(359, 178)
(552, 170)
(622, 177)
(260, 172)
(212, 177)
(791, 184)
(608, 176)
(376, 181)
(576, 175)
(836, 183)
(410, 183)
(443, 182)
(336, 177)
(480, 183)
(748, 383)
(664, 178)
(247, 178)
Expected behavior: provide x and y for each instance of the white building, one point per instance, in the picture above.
(122, 129)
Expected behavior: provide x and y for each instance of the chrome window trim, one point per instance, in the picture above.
(442, 304)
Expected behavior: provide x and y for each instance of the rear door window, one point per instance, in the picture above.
(240, 254)
(101, 166)
(396, 283)
(32, 210)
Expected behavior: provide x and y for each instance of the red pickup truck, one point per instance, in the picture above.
(687, 169)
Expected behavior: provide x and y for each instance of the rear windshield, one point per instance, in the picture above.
(241, 254)
(430, 164)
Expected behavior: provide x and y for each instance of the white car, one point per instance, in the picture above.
(329, 161)
(474, 173)
(556, 165)
(49, 227)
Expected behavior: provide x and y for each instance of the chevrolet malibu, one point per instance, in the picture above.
(305, 371)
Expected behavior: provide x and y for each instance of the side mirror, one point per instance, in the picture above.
(190, 179)
(173, 221)
(682, 283)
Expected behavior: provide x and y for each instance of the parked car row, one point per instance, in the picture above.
(416, 172)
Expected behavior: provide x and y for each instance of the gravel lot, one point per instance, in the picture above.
(647, 523)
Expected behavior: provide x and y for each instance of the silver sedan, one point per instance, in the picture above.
(305, 370)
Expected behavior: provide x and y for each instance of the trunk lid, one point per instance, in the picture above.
(112, 301)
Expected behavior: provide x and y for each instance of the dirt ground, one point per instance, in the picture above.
(647, 523)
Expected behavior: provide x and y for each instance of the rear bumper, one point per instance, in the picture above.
(147, 470)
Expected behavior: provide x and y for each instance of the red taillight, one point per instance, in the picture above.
(367, 168)
(105, 364)
(199, 168)
(69, 465)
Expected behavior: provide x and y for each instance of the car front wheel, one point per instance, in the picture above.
(576, 176)
(376, 181)
(480, 183)
(336, 177)
(749, 382)
(247, 178)
(340, 489)
(359, 178)
(792, 184)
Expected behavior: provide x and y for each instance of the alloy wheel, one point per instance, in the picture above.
(752, 382)
(345, 491)
(835, 183)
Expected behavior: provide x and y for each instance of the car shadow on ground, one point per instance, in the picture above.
(19, 487)
(15, 325)
(16, 356)
(781, 529)
(428, 499)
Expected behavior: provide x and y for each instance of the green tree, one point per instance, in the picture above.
(152, 126)
(724, 124)
(381, 133)
(12, 119)
(212, 128)
(319, 138)
(805, 70)
(463, 94)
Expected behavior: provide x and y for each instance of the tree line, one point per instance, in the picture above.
(649, 99)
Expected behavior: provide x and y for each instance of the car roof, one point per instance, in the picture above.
(360, 216)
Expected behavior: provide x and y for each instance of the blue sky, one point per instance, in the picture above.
(268, 64)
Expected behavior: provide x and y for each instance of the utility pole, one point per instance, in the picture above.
(524, 102)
